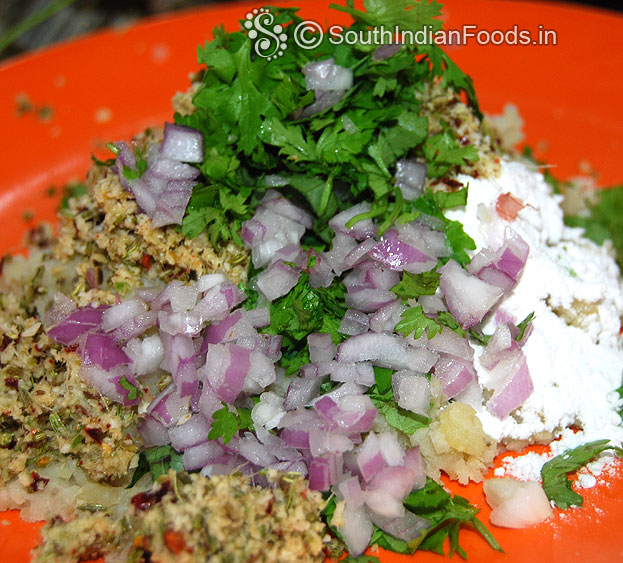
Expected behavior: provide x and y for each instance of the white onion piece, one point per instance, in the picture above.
(153, 433)
(455, 374)
(385, 350)
(268, 411)
(208, 281)
(184, 297)
(356, 528)
(411, 391)
(321, 348)
(360, 230)
(354, 322)
(201, 455)
(115, 316)
(410, 175)
(406, 528)
(516, 504)
(513, 384)
(147, 354)
(326, 75)
(469, 298)
(369, 300)
(182, 143)
(192, 432)
(62, 306)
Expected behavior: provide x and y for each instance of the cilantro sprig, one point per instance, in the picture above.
(554, 473)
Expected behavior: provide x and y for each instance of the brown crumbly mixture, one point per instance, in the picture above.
(104, 229)
(191, 518)
(47, 411)
(443, 106)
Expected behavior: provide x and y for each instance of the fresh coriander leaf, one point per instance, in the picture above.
(446, 319)
(399, 418)
(408, 15)
(554, 473)
(361, 559)
(604, 220)
(479, 336)
(161, 459)
(442, 152)
(413, 286)
(447, 514)
(225, 424)
(305, 310)
(523, 325)
(415, 321)
(133, 392)
(383, 379)
(141, 469)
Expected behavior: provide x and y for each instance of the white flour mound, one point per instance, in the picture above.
(575, 352)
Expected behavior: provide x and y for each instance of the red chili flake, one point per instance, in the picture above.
(143, 501)
(95, 434)
(146, 262)
(454, 185)
(175, 541)
(11, 382)
(507, 206)
(38, 482)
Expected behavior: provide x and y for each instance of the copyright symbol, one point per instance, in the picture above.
(308, 34)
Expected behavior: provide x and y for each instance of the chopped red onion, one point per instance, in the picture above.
(301, 391)
(514, 385)
(468, 298)
(361, 230)
(153, 433)
(350, 489)
(77, 323)
(182, 143)
(369, 300)
(398, 255)
(226, 368)
(102, 350)
(326, 75)
(117, 315)
(354, 322)
(321, 348)
(385, 350)
(410, 175)
(356, 529)
(386, 318)
(455, 374)
(193, 432)
(325, 471)
(277, 280)
(370, 460)
(202, 455)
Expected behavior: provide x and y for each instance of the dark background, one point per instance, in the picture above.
(84, 16)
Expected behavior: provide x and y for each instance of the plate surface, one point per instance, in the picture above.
(113, 84)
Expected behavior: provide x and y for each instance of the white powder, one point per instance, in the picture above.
(575, 353)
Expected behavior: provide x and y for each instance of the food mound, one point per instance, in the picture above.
(265, 330)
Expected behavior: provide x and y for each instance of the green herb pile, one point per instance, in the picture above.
(247, 108)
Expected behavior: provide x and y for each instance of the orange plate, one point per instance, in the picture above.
(113, 84)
